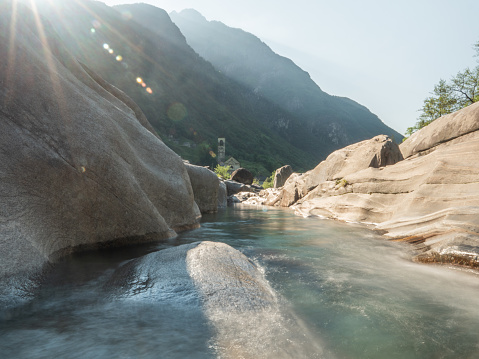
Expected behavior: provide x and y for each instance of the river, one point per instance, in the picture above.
(348, 293)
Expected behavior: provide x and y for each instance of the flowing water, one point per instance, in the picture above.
(345, 292)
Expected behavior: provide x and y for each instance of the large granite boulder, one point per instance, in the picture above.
(377, 152)
(442, 130)
(281, 175)
(205, 184)
(242, 175)
(78, 167)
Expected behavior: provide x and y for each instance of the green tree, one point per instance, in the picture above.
(439, 104)
(461, 91)
(222, 171)
(269, 182)
(465, 86)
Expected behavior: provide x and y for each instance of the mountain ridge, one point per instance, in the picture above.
(247, 59)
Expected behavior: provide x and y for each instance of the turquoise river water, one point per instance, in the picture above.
(348, 293)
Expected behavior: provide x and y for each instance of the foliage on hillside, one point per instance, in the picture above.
(187, 101)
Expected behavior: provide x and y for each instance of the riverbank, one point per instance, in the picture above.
(424, 192)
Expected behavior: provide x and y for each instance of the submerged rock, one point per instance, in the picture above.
(232, 292)
(79, 167)
(220, 276)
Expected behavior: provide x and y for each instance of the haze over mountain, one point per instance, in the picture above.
(245, 58)
(138, 49)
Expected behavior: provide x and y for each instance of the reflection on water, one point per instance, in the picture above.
(345, 293)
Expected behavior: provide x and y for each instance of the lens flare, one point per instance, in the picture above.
(149, 90)
(139, 80)
(126, 15)
(92, 30)
(212, 154)
(96, 24)
(177, 112)
(106, 46)
(111, 51)
(119, 58)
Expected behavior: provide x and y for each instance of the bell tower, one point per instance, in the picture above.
(221, 149)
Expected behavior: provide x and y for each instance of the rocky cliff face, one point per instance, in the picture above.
(79, 166)
(431, 198)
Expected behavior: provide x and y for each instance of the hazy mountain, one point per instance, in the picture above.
(330, 122)
(191, 104)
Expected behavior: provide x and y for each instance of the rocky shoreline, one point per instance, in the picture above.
(424, 192)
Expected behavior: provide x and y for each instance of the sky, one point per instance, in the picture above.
(387, 55)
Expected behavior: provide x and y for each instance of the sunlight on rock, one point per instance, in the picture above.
(177, 111)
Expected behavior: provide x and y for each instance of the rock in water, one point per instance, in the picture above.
(242, 175)
(206, 185)
(77, 166)
(232, 292)
(222, 195)
(233, 187)
(281, 175)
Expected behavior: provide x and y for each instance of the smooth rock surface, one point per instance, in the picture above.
(242, 175)
(222, 195)
(281, 175)
(229, 289)
(233, 187)
(77, 166)
(377, 152)
(442, 130)
(205, 184)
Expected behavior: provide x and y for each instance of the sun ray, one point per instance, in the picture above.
(53, 72)
(12, 52)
